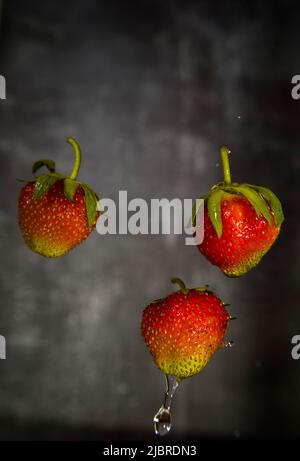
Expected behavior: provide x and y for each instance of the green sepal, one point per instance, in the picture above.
(50, 164)
(155, 301)
(181, 285)
(257, 201)
(195, 209)
(44, 183)
(214, 209)
(25, 180)
(274, 202)
(205, 288)
(70, 187)
(91, 200)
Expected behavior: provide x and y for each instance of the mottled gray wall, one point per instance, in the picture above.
(150, 90)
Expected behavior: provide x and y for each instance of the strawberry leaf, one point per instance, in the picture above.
(50, 164)
(43, 184)
(256, 200)
(91, 201)
(214, 210)
(70, 187)
(273, 201)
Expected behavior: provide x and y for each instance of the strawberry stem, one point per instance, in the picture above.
(77, 152)
(225, 164)
(181, 284)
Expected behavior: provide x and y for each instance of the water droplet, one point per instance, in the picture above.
(163, 420)
(229, 151)
(239, 117)
(228, 344)
(217, 165)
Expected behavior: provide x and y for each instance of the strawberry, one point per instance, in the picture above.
(56, 213)
(184, 330)
(241, 223)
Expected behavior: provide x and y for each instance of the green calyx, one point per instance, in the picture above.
(45, 181)
(185, 290)
(181, 284)
(263, 200)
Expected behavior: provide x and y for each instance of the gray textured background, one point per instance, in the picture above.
(150, 90)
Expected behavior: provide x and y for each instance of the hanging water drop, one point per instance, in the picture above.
(163, 420)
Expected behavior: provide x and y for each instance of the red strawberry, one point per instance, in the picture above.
(184, 330)
(56, 213)
(241, 223)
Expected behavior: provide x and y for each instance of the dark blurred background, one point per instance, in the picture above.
(150, 89)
